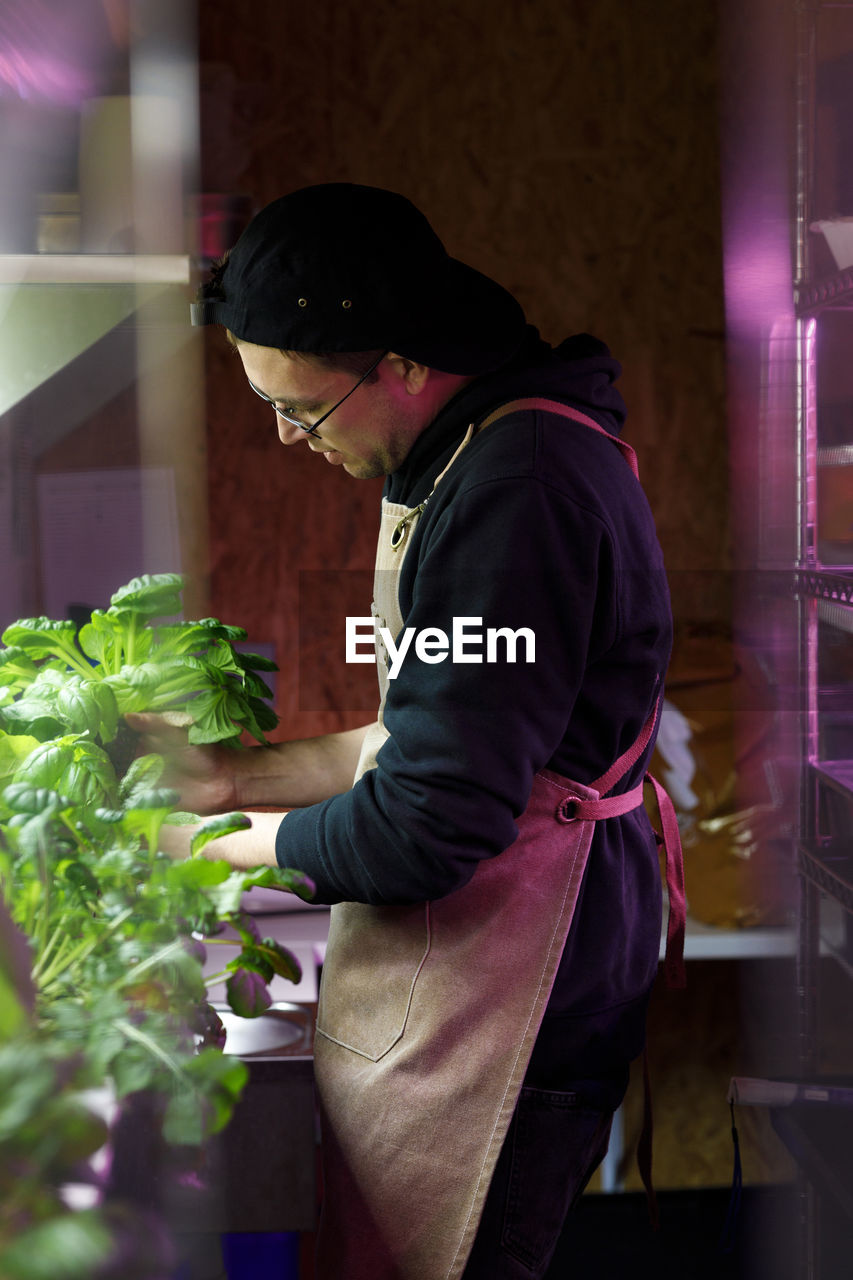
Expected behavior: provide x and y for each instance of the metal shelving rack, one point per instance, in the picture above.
(824, 591)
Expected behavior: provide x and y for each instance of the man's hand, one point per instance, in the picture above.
(254, 847)
(286, 775)
(203, 776)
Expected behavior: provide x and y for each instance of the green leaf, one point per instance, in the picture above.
(281, 961)
(113, 817)
(178, 639)
(267, 957)
(279, 878)
(144, 773)
(79, 875)
(264, 715)
(27, 1082)
(102, 639)
(23, 797)
(215, 725)
(108, 711)
(16, 668)
(254, 686)
(184, 1121)
(194, 873)
(252, 961)
(223, 631)
(73, 1131)
(72, 1246)
(155, 798)
(146, 677)
(246, 925)
(79, 706)
(33, 717)
(90, 775)
(154, 595)
(216, 662)
(41, 637)
(220, 1079)
(254, 661)
(228, 896)
(221, 824)
(132, 1070)
(77, 769)
(160, 684)
(46, 765)
(247, 993)
(14, 749)
(38, 834)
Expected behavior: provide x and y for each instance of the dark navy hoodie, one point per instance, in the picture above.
(539, 524)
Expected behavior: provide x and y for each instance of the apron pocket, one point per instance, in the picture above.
(373, 959)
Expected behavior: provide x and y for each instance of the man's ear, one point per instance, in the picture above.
(413, 376)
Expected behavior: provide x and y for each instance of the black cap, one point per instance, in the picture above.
(341, 267)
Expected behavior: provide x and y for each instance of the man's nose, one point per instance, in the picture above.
(287, 432)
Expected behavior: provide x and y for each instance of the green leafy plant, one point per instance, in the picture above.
(55, 681)
(116, 931)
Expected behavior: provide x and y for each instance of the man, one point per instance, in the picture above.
(496, 923)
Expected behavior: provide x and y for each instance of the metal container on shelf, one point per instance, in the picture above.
(58, 222)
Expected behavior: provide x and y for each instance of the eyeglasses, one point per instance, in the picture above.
(312, 429)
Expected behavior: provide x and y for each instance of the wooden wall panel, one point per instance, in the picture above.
(567, 148)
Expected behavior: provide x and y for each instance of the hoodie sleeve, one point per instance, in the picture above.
(467, 734)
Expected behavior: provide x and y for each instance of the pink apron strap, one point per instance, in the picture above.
(554, 406)
(669, 837)
(628, 758)
(674, 972)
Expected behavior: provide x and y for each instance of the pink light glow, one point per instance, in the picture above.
(54, 51)
(36, 76)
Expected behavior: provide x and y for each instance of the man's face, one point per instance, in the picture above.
(369, 435)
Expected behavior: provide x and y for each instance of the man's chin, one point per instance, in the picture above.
(360, 469)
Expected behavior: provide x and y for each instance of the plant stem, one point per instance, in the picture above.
(85, 948)
(170, 949)
(55, 937)
(216, 977)
(133, 1033)
(130, 640)
(44, 913)
(80, 665)
(78, 839)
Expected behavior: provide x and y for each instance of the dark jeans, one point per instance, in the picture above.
(554, 1145)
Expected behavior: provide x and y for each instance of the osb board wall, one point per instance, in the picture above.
(734, 1019)
(566, 147)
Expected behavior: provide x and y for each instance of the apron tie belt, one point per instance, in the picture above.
(572, 809)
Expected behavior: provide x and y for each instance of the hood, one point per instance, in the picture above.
(580, 372)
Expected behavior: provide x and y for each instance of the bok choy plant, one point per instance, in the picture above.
(116, 930)
(54, 681)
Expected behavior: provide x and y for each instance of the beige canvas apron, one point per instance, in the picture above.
(428, 1013)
